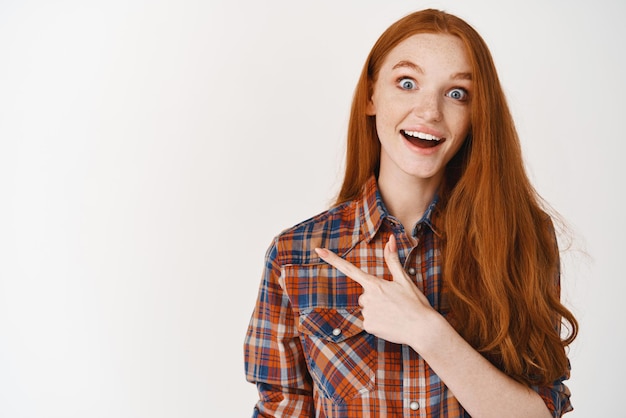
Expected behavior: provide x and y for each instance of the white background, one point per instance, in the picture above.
(150, 150)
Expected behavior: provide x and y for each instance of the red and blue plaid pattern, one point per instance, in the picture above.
(306, 348)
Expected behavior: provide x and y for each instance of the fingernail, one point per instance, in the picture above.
(321, 252)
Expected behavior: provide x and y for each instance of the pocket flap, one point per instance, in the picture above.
(331, 324)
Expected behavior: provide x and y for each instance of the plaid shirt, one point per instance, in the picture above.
(306, 348)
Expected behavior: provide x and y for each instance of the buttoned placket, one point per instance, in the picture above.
(413, 364)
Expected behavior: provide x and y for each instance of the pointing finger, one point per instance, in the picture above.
(344, 266)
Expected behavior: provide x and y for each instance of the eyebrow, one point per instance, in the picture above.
(418, 69)
(408, 64)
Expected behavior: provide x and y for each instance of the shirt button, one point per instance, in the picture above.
(336, 332)
(414, 406)
(412, 271)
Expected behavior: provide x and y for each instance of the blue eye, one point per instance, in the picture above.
(407, 84)
(458, 94)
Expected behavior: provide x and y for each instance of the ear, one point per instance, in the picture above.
(370, 110)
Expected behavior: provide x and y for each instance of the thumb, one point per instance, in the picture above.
(392, 259)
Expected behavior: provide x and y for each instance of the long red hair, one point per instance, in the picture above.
(500, 255)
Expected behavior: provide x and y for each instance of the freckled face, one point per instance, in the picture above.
(421, 101)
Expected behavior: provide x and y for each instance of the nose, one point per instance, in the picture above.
(428, 106)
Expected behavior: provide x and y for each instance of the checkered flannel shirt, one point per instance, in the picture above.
(305, 347)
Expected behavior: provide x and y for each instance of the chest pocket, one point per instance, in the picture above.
(341, 356)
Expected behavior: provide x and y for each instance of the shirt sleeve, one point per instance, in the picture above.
(556, 397)
(274, 360)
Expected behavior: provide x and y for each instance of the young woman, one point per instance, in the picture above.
(431, 289)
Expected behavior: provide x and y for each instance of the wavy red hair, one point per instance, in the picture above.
(500, 255)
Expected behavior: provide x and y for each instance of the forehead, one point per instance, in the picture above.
(437, 50)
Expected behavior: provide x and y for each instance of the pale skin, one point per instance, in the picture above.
(397, 310)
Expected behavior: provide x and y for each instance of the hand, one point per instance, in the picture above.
(393, 310)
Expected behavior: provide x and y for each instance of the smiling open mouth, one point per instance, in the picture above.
(421, 139)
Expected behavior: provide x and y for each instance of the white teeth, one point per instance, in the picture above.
(422, 135)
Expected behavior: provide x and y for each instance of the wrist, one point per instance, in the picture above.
(431, 334)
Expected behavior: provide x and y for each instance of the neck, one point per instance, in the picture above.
(406, 197)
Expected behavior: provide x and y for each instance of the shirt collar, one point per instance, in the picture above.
(430, 216)
(373, 211)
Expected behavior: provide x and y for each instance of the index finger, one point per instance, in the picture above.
(344, 266)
